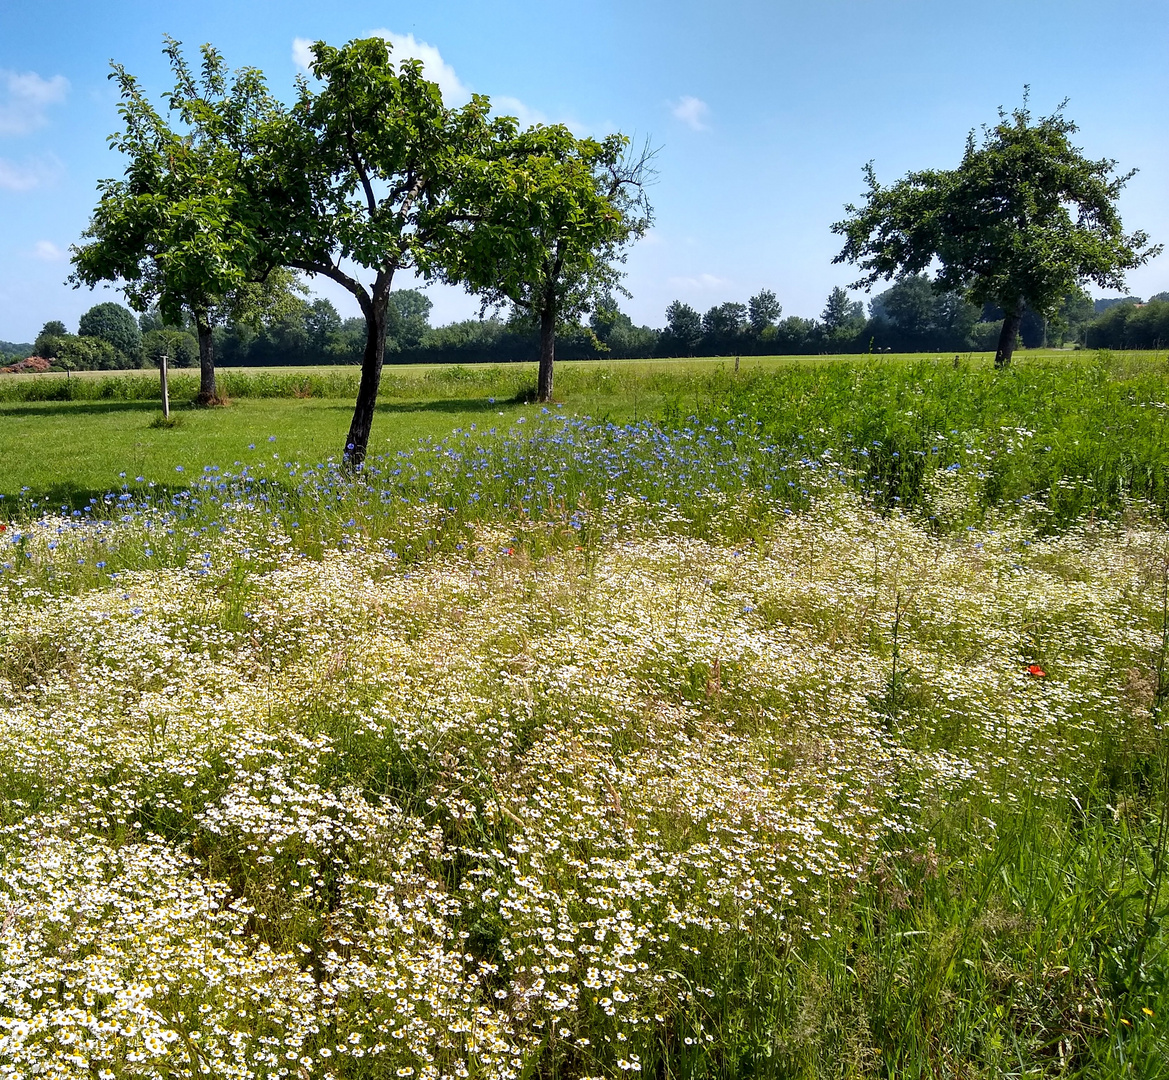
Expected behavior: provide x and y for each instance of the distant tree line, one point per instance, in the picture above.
(1131, 325)
(295, 330)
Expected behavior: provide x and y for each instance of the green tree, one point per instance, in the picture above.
(179, 347)
(615, 331)
(47, 340)
(358, 172)
(1023, 219)
(723, 327)
(178, 230)
(912, 315)
(116, 324)
(841, 315)
(544, 220)
(683, 329)
(323, 324)
(408, 318)
(763, 310)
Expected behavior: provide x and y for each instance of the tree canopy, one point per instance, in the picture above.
(543, 221)
(113, 323)
(358, 172)
(179, 229)
(1023, 220)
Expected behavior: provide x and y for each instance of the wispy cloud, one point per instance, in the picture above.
(25, 98)
(701, 283)
(47, 251)
(32, 174)
(692, 112)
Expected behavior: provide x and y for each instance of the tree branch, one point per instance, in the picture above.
(338, 275)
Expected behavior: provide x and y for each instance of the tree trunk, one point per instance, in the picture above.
(207, 394)
(547, 349)
(357, 444)
(1009, 335)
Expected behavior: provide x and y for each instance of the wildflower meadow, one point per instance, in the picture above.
(702, 743)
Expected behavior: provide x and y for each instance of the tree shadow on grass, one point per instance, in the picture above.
(84, 408)
(67, 495)
(450, 405)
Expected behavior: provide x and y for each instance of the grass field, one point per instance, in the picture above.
(803, 722)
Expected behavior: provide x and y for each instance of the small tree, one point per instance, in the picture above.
(1023, 219)
(178, 230)
(840, 313)
(543, 220)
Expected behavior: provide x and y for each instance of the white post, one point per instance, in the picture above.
(165, 390)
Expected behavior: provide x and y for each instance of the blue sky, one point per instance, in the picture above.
(764, 113)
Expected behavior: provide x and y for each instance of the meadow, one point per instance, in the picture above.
(800, 721)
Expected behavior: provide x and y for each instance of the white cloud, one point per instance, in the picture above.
(692, 112)
(701, 283)
(502, 105)
(404, 47)
(30, 175)
(302, 52)
(434, 67)
(47, 251)
(25, 97)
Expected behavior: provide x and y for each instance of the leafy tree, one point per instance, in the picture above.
(723, 326)
(1127, 326)
(795, 335)
(606, 315)
(544, 221)
(322, 323)
(913, 315)
(412, 304)
(408, 318)
(47, 339)
(615, 330)
(1159, 296)
(178, 346)
(683, 328)
(116, 324)
(1076, 311)
(73, 352)
(1023, 219)
(909, 306)
(152, 319)
(179, 229)
(1104, 303)
(841, 314)
(763, 309)
(358, 172)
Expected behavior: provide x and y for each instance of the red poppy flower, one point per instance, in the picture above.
(1036, 670)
